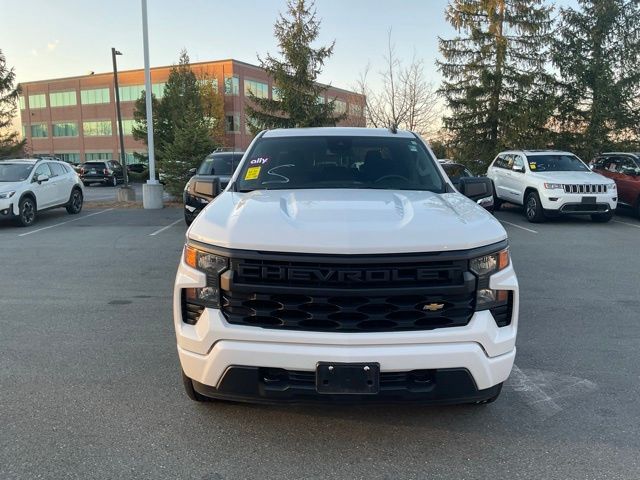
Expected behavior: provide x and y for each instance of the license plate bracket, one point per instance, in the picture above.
(347, 378)
(589, 200)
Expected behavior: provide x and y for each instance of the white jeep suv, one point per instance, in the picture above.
(28, 186)
(340, 264)
(549, 183)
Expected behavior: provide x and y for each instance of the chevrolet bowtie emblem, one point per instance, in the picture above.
(433, 307)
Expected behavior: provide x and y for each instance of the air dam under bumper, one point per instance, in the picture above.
(227, 361)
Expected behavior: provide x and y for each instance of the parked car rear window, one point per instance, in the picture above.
(98, 165)
(219, 164)
(340, 162)
(556, 163)
(14, 172)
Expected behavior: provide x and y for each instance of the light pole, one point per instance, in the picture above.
(123, 158)
(152, 190)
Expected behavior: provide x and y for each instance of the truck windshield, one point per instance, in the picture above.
(14, 172)
(339, 162)
(556, 163)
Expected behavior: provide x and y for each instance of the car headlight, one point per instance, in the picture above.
(4, 195)
(612, 186)
(553, 186)
(212, 266)
(483, 267)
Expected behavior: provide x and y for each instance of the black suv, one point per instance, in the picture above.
(107, 172)
(217, 164)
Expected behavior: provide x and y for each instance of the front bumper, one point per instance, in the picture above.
(561, 203)
(212, 348)
(6, 208)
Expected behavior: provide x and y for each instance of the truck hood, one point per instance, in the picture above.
(342, 221)
(582, 178)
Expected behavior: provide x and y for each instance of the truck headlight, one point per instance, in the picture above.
(483, 267)
(212, 266)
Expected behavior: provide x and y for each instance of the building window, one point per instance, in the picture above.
(24, 131)
(62, 99)
(73, 158)
(92, 156)
(259, 89)
(97, 95)
(275, 94)
(39, 130)
(320, 99)
(340, 107)
(355, 109)
(65, 129)
(127, 127)
(158, 89)
(21, 102)
(38, 101)
(97, 129)
(130, 93)
(231, 85)
(233, 123)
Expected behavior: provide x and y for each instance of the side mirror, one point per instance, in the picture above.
(478, 189)
(43, 177)
(207, 187)
(192, 171)
(519, 169)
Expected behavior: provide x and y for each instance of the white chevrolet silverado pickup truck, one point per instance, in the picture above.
(341, 265)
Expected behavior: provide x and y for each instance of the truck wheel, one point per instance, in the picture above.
(27, 212)
(190, 391)
(188, 218)
(489, 400)
(602, 217)
(533, 208)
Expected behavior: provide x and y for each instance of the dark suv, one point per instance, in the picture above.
(218, 164)
(107, 172)
(624, 169)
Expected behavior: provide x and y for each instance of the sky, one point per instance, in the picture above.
(45, 39)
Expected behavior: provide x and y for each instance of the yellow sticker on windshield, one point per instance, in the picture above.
(533, 166)
(252, 173)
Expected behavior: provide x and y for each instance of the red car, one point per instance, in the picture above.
(624, 169)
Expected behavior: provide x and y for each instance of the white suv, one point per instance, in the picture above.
(28, 186)
(549, 183)
(340, 264)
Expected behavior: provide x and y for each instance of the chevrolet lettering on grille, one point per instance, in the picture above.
(283, 273)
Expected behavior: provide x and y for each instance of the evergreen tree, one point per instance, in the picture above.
(597, 55)
(495, 83)
(294, 76)
(182, 125)
(10, 143)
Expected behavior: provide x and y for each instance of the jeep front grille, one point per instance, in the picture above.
(586, 188)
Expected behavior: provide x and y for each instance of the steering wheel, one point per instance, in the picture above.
(386, 177)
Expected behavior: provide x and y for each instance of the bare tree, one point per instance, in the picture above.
(404, 99)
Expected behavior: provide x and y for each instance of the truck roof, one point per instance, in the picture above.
(336, 131)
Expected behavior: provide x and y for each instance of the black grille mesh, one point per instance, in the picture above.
(347, 313)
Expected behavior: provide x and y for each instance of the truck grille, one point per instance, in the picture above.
(585, 188)
(336, 297)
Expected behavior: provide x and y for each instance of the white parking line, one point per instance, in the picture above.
(518, 226)
(165, 228)
(63, 223)
(625, 223)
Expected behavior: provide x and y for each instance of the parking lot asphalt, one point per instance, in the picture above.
(90, 384)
